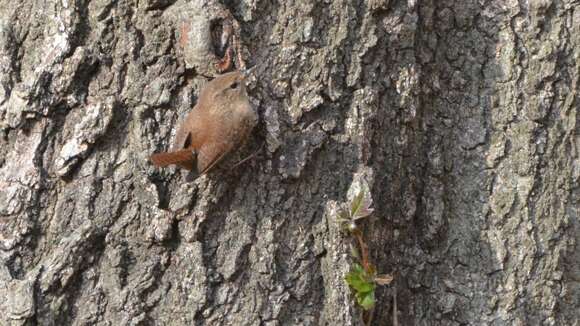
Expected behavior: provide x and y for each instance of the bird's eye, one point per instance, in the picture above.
(234, 85)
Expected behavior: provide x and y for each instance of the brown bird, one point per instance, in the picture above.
(220, 122)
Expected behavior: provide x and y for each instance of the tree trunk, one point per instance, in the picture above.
(460, 116)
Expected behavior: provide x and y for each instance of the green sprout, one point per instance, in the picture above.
(362, 278)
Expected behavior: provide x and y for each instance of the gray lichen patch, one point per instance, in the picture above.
(19, 303)
(272, 122)
(20, 175)
(294, 159)
(20, 178)
(93, 124)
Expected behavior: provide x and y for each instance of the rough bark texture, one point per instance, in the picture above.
(461, 116)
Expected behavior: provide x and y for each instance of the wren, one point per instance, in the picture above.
(220, 122)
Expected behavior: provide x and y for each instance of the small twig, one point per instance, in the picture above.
(364, 250)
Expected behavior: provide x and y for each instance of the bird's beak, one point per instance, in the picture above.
(247, 72)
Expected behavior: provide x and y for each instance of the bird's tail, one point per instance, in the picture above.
(183, 158)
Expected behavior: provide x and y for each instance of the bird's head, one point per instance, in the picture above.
(229, 88)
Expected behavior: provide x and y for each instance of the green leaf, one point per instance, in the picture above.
(356, 203)
(361, 286)
(358, 280)
(366, 300)
(363, 206)
(358, 268)
(357, 283)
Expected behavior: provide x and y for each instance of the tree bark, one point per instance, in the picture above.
(460, 116)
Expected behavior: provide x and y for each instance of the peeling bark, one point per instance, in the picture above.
(462, 116)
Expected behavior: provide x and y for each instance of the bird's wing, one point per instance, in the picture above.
(182, 137)
(191, 131)
(183, 158)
